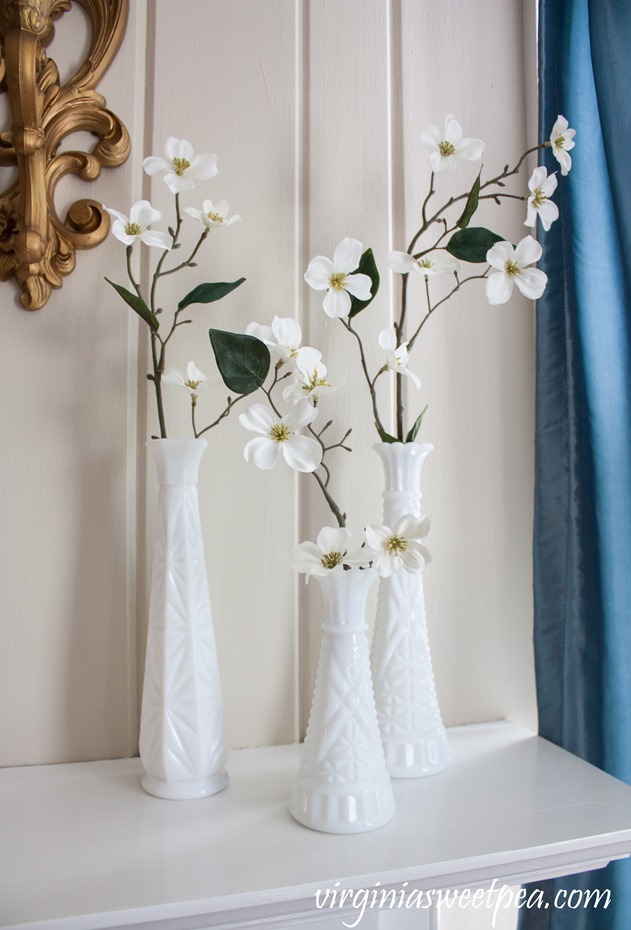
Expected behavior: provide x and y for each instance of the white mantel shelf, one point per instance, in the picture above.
(83, 847)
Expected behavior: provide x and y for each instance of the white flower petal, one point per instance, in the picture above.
(401, 262)
(333, 539)
(196, 214)
(412, 560)
(117, 216)
(172, 376)
(431, 135)
(143, 214)
(548, 214)
(411, 527)
(258, 418)
(532, 283)
(204, 167)
(527, 252)
(262, 452)
(302, 453)
(499, 287)
(119, 231)
(359, 285)
(499, 254)
(178, 148)
(376, 536)
(154, 165)
(287, 332)
(337, 304)
(318, 273)
(306, 557)
(347, 255)
(470, 149)
(264, 333)
(159, 240)
(194, 374)
(388, 338)
(414, 378)
(178, 182)
(299, 416)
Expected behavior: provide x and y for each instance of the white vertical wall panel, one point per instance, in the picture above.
(476, 362)
(226, 83)
(67, 524)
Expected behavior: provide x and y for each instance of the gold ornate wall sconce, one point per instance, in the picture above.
(36, 246)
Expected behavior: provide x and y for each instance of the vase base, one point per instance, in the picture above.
(342, 808)
(184, 790)
(416, 758)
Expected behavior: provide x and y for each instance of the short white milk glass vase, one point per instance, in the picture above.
(342, 785)
(182, 736)
(412, 731)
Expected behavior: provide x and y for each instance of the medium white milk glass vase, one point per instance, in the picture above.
(412, 731)
(342, 785)
(182, 738)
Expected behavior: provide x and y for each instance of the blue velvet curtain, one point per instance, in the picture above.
(582, 544)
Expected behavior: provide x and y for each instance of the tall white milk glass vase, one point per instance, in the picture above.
(182, 738)
(412, 731)
(342, 785)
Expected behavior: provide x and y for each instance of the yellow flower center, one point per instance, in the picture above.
(512, 268)
(215, 217)
(133, 229)
(446, 148)
(538, 198)
(559, 142)
(279, 432)
(193, 385)
(395, 544)
(331, 559)
(425, 263)
(314, 383)
(337, 281)
(180, 165)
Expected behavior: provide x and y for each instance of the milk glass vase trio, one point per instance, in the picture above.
(374, 713)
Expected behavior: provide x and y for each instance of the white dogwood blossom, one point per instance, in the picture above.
(312, 382)
(561, 141)
(181, 167)
(447, 145)
(280, 435)
(541, 187)
(213, 216)
(513, 267)
(336, 277)
(397, 356)
(193, 380)
(324, 555)
(135, 227)
(433, 263)
(283, 339)
(399, 546)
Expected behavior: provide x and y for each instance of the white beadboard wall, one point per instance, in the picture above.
(314, 109)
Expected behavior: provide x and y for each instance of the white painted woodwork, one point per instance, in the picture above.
(314, 109)
(85, 848)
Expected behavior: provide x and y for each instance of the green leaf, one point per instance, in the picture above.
(411, 436)
(208, 293)
(367, 266)
(471, 205)
(137, 304)
(243, 361)
(385, 437)
(471, 245)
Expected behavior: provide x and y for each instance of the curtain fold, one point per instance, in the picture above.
(582, 536)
